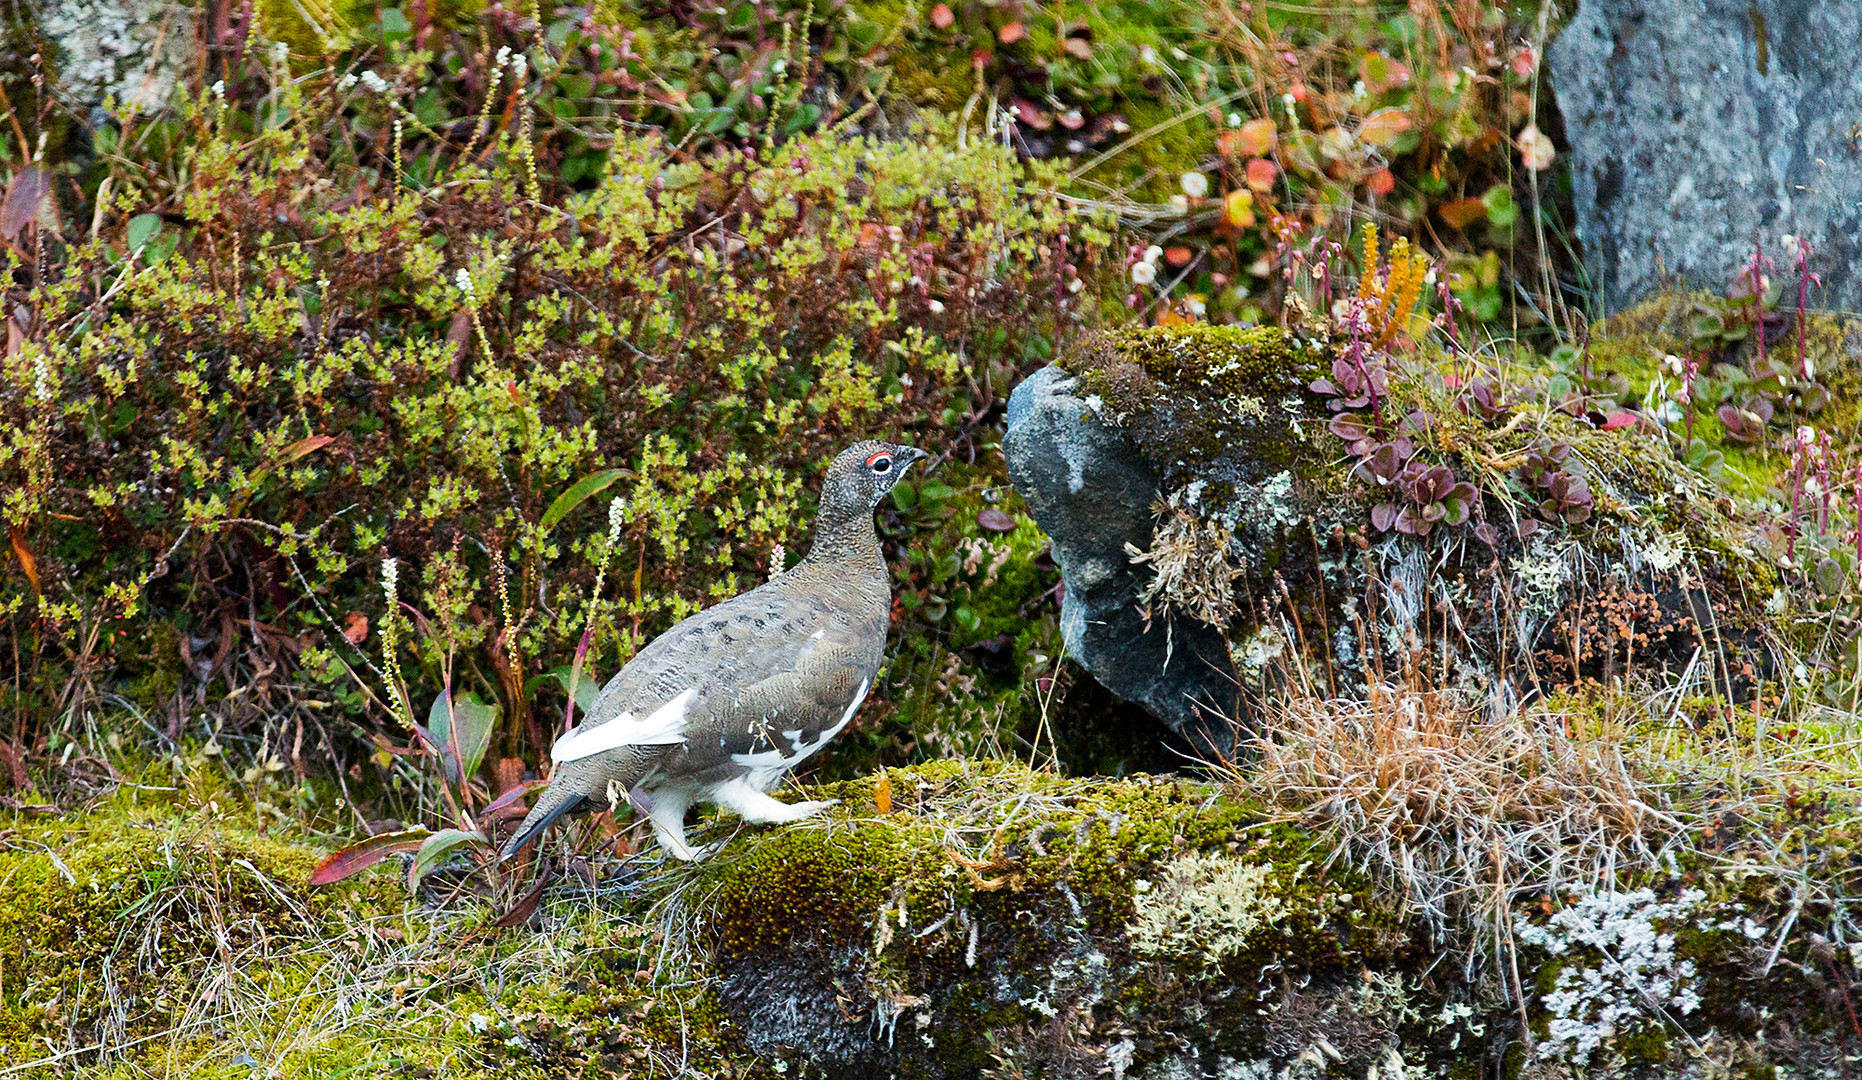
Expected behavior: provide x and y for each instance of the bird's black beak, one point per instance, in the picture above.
(912, 456)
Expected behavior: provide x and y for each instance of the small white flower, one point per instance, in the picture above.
(219, 89)
(1674, 364)
(280, 52)
(374, 82)
(1429, 278)
(1075, 285)
(617, 517)
(1358, 90)
(504, 56)
(1143, 273)
(520, 66)
(1195, 306)
(390, 575)
(1234, 119)
(1195, 184)
(347, 82)
(1289, 101)
(936, 306)
(463, 279)
(1180, 204)
(1153, 253)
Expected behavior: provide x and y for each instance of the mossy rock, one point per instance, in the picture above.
(964, 918)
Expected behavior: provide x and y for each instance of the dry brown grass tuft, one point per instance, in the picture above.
(1460, 815)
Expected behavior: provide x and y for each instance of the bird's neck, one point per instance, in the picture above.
(846, 541)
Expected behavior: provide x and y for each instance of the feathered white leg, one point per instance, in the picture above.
(739, 797)
(667, 813)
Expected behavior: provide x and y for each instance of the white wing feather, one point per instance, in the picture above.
(666, 725)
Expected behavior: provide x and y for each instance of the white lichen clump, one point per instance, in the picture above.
(1637, 981)
(1204, 905)
(1192, 564)
(129, 50)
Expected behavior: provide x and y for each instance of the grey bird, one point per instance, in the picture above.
(720, 707)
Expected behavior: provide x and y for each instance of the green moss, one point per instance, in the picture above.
(1188, 395)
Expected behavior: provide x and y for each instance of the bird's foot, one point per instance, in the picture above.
(677, 847)
(801, 810)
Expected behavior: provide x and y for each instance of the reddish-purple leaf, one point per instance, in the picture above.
(356, 858)
(24, 196)
(511, 798)
(1619, 420)
(995, 520)
(526, 907)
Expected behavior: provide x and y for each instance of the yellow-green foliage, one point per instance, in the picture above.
(302, 381)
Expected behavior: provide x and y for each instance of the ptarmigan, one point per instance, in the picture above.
(720, 707)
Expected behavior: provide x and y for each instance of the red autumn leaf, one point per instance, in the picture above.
(1261, 174)
(1383, 126)
(1257, 137)
(1079, 48)
(1463, 212)
(355, 628)
(942, 17)
(304, 446)
(1010, 33)
(503, 805)
(1027, 112)
(26, 562)
(526, 907)
(1619, 420)
(1382, 182)
(356, 858)
(24, 196)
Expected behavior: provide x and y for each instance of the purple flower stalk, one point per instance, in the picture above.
(1802, 447)
(1825, 454)
(1858, 499)
(1804, 279)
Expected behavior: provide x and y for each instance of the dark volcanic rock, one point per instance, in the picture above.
(1698, 127)
(1091, 491)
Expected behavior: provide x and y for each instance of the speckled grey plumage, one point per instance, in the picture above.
(774, 674)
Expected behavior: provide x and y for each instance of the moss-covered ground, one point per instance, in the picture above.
(959, 919)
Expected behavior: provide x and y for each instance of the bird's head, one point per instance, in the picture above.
(862, 475)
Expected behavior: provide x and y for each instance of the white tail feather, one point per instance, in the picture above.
(666, 725)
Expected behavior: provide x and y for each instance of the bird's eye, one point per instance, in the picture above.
(881, 464)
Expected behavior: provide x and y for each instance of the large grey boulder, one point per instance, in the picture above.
(1091, 492)
(132, 52)
(1699, 126)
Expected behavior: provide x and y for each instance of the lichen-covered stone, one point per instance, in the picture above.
(1698, 129)
(1263, 530)
(1091, 492)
